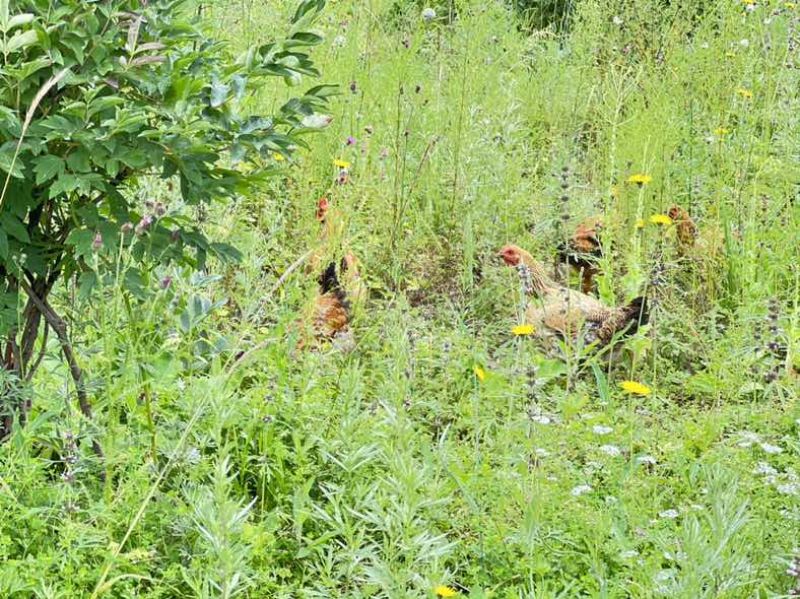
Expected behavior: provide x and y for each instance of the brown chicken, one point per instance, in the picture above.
(685, 228)
(583, 250)
(559, 312)
(340, 290)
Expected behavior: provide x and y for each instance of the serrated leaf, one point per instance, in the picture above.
(46, 167)
(9, 165)
(64, 184)
(86, 284)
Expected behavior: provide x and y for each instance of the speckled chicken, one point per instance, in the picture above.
(556, 311)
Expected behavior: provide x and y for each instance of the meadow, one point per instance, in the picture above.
(441, 454)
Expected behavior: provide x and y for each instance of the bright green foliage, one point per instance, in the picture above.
(240, 466)
(98, 95)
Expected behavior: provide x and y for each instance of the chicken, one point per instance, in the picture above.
(685, 228)
(340, 290)
(583, 250)
(559, 312)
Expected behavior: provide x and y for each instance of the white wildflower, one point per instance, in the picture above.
(611, 450)
(428, 14)
(669, 514)
(744, 43)
(542, 452)
(764, 469)
(339, 41)
(599, 429)
(747, 438)
(541, 419)
(771, 449)
(580, 490)
(789, 489)
(617, 21)
(646, 460)
(629, 554)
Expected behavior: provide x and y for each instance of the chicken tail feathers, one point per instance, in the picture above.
(625, 321)
(329, 281)
(636, 314)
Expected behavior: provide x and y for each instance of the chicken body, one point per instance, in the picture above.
(583, 250)
(340, 289)
(559, 312)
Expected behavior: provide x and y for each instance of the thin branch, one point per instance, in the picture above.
(60, 328)
(42, 351)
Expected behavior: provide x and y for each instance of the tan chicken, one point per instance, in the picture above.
(556, 311)
(340, 289)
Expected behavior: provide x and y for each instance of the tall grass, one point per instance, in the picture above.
(393, 469)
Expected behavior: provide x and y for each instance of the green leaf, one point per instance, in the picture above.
(3, 244)
(86, 283)
(81, 240)
(79, 161)
(19, 20)
(20, 40)
(8, 164)
(219, 93)
(46, 167)
(14, 227)
(64, 184)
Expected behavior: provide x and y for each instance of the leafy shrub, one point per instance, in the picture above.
(98, 96)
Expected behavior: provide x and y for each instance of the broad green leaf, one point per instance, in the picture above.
(46, 167)
(20, 40)
(19, 20)
(219, 93)
(9, 165)
(64, 184)
(81, 240)
(14, 227)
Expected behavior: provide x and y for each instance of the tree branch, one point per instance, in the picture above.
(60, 328)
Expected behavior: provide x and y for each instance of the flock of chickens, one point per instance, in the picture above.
(555, 311)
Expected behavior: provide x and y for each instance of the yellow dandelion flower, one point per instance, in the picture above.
(522, 329)
(640, 179)
(639, 223)
(480, 373)
(660, 219)
(635, 388)
(445, 591)
(278, 157)
(720, 131)
(341, 163)
(745, 93)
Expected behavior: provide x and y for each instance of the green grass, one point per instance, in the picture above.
(392, 469)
